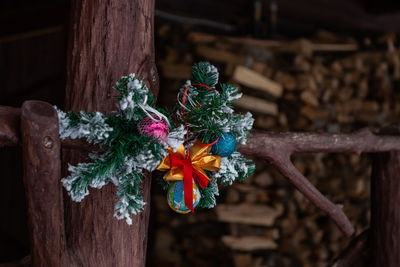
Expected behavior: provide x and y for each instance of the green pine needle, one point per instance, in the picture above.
(208, 114)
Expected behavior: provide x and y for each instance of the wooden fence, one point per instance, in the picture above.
(35, 128)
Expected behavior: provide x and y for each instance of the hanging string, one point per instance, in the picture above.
(187, 163)
(187, 117)
(148, 110)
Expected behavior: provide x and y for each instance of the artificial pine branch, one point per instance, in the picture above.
(126, 152)
(205, 73)
(207, 113)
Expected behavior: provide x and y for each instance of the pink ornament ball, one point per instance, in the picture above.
(153, 128)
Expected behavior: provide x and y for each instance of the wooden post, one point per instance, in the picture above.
(41, 162)
(108, 39)
(385, 211)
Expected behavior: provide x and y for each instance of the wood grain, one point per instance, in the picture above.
(108, 39)
(278, 147)
(41, 161)
(385, 213)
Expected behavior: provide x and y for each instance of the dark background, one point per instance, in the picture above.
(33, 51)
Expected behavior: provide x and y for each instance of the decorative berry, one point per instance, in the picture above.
(225, 146)
(176, 197)
(156, 129)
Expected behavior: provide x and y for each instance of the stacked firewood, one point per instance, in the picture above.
(330, 84)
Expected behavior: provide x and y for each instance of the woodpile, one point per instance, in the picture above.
(300, 85)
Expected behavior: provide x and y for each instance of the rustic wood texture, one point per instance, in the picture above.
(42, 165)
(278, 147)
(385, 213)
(108, 39)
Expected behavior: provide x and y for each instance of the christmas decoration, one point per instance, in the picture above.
(189, 167)
(154, 126)
(138, 137)
(176, 197)
(225, 145)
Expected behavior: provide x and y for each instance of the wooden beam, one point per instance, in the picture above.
(31, 34)
(295, 46)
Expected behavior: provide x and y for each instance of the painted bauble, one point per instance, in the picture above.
(176, 197)
(225, 145)
(153, 128)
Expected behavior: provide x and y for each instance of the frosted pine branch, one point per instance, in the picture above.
(234, 167)
(130, 200)
(92, 126)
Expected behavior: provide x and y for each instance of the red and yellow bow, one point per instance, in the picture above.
(188, 167)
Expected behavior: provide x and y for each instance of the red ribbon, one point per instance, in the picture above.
(188, 169)
(189, 173)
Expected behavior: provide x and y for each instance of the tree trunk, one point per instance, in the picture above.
(108, 39)
(385, 212)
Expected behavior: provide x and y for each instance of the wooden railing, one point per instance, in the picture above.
(35, 128)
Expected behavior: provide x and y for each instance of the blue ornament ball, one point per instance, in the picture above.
(225, 146)
(176, 197)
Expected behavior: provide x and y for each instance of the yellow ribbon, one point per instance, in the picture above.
(200, 160)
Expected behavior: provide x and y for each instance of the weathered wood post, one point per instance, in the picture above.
(385, 210)
(108, 39)
(42, 165)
